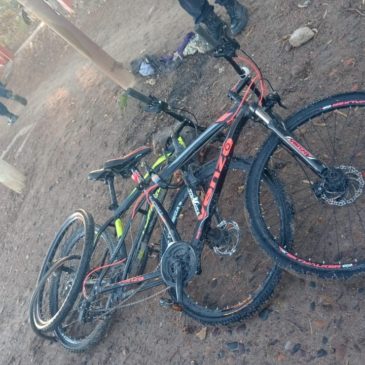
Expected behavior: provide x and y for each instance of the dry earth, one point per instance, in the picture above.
(72, 124)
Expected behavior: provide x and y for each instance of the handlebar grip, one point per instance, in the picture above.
(139, 96)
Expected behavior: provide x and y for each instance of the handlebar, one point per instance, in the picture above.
(141, 97)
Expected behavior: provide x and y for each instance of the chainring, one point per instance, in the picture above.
(178, 253)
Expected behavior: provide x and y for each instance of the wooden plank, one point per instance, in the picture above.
(81, 42)
(11, 177)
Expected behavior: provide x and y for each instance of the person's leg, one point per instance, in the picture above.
(8, 94)
(6, 113)
(5, 93)
(203, 12)
(237, 13)
(195, 8)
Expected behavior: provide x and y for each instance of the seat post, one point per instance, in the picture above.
(113, 195)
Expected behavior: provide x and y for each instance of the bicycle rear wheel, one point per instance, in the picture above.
(236, 280)
(76, 232)
(329, 222)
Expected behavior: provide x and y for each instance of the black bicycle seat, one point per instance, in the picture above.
(123, 166)
(100, 175)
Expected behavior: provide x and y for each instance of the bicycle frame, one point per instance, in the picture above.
(235, 119)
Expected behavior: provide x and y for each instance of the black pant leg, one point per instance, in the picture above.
(198, 9)
(4, 111)
(5, 93)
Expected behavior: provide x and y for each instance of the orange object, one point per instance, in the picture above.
(5, 55)
(67, 5)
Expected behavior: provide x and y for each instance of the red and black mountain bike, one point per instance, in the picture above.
(304, 197)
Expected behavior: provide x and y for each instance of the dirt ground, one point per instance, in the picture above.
(72, 124)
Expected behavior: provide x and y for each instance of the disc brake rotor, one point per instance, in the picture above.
(231, 234)
(353, 188)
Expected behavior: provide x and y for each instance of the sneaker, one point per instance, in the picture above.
(239, 16)
(20, 99)
(12, 119)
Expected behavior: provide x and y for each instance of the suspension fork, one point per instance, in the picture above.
(279, 129)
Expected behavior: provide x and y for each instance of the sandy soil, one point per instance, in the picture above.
(72, 124)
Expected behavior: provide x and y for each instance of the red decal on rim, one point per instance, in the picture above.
(350, 102)
(299, 147)
(136, 279)
(309, 263)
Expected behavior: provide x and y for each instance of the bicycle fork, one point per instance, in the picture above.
(336, 182)
(279, 129)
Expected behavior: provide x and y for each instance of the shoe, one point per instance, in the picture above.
(239, 16)
(20, 99)
(12, 119)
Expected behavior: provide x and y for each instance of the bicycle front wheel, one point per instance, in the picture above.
(236, 279)
(329, 216)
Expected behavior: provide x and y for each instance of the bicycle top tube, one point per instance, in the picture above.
(188, 153)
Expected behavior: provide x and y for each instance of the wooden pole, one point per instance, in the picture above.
(81, 42)
(11, 177)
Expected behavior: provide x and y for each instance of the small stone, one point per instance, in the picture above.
(288, 47)
(319, 324)
(235, 347)
(326, 301)
(305, 4)
(280, 357)
(273, 342)
(288, 346)
(301, 36)
(189, 329)
(221, 354)
(151, 82)
(296, 348)
(322, 353)
(340, 353)
(241, 328)
(216, 331)
(214, 282)
(202, 334)
(264, 314)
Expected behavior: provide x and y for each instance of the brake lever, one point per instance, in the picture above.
(274, 98)
(227, 48)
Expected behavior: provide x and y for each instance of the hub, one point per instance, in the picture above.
(340, 186)
(224, 238)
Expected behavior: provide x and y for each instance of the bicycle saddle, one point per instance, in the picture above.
(123, 166)
(100, 175)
